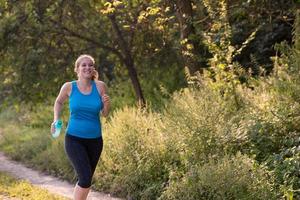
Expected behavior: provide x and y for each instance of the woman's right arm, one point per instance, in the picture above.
(60, 99)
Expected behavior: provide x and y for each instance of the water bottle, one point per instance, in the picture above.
(58, 126)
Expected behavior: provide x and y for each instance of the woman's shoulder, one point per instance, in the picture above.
(100, 84)
(67, 87)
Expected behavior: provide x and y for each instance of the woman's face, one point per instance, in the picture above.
(85, 68)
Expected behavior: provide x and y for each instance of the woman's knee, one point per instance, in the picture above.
(85, 182)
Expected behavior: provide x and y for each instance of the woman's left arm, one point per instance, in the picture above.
(102, 89)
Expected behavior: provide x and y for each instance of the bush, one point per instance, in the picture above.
(133, 160)
(236, 177)
(199, 122)
(273, 114)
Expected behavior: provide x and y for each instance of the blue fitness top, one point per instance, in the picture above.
(84, 119)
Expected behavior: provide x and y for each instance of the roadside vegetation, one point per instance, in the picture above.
(17, 189)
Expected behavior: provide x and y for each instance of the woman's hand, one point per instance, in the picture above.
(105, 99)
(102, 89)
(106, 102)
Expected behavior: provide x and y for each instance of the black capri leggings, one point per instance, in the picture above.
(84, 155)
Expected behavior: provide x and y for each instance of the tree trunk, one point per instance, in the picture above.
(128, 61)
(185, 17)
(135, 81)
(189, 48)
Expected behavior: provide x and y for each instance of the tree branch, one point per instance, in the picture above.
(88, 39)
(121, 40)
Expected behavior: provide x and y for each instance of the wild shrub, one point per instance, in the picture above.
(236, 177)
(133, 160)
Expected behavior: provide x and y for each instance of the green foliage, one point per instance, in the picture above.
(236, 177)
(51, 39)
(134, 155)
(271, 119)
(206, 114)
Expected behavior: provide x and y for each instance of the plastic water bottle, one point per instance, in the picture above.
(58, 126)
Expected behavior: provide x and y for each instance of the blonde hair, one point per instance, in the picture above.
(95, 75)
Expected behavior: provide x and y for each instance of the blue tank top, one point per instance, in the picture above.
(84, 119)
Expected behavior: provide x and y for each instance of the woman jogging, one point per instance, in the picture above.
(83, 140)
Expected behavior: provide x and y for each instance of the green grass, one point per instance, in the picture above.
(19, 189)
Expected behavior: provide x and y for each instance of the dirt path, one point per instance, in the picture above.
(50, 183)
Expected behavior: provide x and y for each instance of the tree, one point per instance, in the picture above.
(42, 27)
(123, 49)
